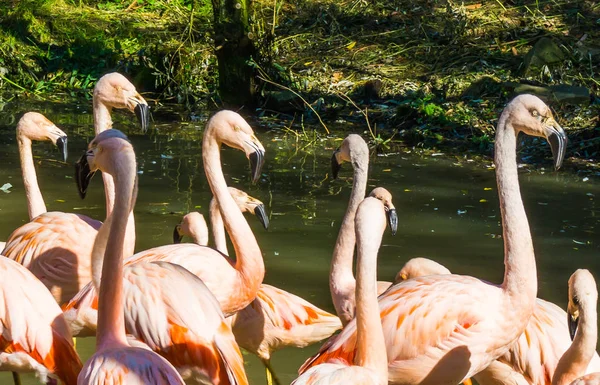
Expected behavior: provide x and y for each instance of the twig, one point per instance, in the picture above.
(298, 95)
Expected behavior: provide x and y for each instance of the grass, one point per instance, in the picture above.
(445, 67)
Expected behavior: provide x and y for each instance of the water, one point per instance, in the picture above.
(447, 206)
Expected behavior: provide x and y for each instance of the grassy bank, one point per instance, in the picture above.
(432, 72)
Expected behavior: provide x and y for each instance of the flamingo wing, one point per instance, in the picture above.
(81, 313)
(56, 248)
(174, 313)
(33, 332)
(420, 325)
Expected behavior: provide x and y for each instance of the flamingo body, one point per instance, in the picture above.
(277, 318)
(51, 246)
(33, 334)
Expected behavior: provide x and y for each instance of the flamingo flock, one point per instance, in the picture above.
(179, 313)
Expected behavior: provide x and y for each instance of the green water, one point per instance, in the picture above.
(447, 206)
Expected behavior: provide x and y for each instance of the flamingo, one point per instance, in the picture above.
(442, 329)
(189, 331)
(115, 361)
(369, 364)
(234, 285)
(583, 328)
(34, 336)
(276, 318)
(341, 277)
(533, 358)
(56, 246)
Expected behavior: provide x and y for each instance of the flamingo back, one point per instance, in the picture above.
(284, 318)
(421, 327)
(31, 323)
(176, 315)
(337, 374)
(128, 366)
(56, 248)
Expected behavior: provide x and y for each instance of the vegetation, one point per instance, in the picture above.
(433, 72)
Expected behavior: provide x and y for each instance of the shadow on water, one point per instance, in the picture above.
(447, 207)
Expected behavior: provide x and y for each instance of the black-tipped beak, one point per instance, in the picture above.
(262, 216)
(558, 143)
(83, 175)
(176, 235)
(335, 166)
(61, 143)
(142, 111)
(573, 323)
(257, 158)
(392, 217)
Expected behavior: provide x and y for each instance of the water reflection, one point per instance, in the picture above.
(447, 206)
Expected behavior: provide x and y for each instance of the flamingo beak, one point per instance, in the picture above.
(257, 159)
(177, 234)
(573, 321)
(83, 175)
(335, 165)
(392, 217)
(262, 216)
(142, 112)
(558, 141)
(61, 143)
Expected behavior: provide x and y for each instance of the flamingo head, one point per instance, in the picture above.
(353, 149)
(418, 267)
(233, 130)
(192, 225)
(583, 296)
(249, 204)
(115, 91)
(530, 114)
(386, 197)
(101, 151)
(36, 126)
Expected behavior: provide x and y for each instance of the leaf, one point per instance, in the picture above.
(351, 45)
(482, 200)
(487, 189)
(5, 187)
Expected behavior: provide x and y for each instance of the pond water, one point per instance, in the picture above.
(447, 206)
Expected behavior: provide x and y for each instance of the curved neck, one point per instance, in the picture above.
(520, 278)
(217, 227)
(249, 261)
(341, 277)
(370, 344)
(103, 122)
(575, 360)
(111, 324)
(35, 200)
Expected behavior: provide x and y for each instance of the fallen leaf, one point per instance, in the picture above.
(5, 187)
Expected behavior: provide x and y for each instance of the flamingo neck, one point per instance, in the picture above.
(217, 227)
(103, 122)
(520, 278)
(249, 262)
(341, 277)
(35, 200)
(370, 344)
(575, 360)
(111, 323)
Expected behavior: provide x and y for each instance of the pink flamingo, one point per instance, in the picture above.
(56, 246)
(115, 361)
(369, 364)
(33, 334)
(583, 328)
(190, 332)
(234, 285)
(442, 329)
(341, 277)
(276, 318)
(534, 357)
